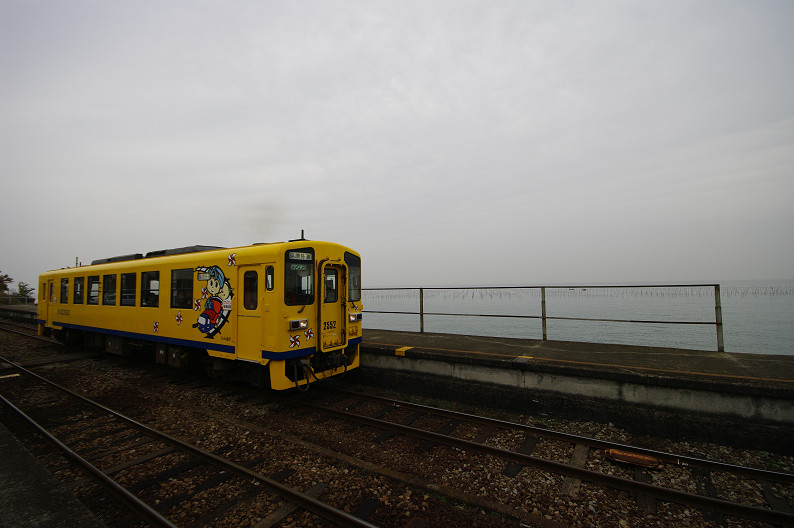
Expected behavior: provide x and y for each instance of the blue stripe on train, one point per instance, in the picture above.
(300, 352)
(228, 349)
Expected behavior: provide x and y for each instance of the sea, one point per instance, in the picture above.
(758, 316)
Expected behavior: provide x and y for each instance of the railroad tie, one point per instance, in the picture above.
(705, 486)
(445, 429)
(571, 485)
(644, 501)
(527, 446)
(775, 501)
(140, 460)
(386, 435)
(366, 508)
(275, 518)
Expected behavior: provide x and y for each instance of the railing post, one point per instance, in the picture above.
(421, 310)
(543, 309)
(718, 311)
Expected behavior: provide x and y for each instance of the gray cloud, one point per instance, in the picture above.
(551, 141)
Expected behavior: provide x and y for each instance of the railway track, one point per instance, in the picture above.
(108, 444)
(510, 474)
(641, 471)
(29, 330)
(45, 351)
(375, 498)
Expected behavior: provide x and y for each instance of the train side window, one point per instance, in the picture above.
(64, 291)
(150, 289)
(250, 290)
(93, 289)
(331, 290)
(109, 290)
(269, 281)
(52, 292)
(128, 289)
(182, 288)
(79, 282)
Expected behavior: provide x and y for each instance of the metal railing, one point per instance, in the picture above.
(717, 322)
(12, 300)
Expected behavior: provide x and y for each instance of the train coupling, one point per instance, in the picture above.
(331, 360)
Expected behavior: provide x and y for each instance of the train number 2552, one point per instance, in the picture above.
(329, 325)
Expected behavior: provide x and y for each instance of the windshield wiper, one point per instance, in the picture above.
(305, 303)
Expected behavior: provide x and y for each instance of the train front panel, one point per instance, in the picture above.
(318, 330)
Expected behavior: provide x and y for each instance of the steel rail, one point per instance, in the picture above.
(138, 507)
(307, 502)
(6, 322)
(670, 458)
(631, 486)
(39, 338)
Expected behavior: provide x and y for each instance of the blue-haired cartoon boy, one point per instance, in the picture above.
(218, 304)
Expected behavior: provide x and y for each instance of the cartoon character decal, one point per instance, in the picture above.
(218, 293)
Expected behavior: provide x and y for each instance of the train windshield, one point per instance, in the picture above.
(299, 277)
(354, 281)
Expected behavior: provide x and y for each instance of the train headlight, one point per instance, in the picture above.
(355, 317)
(299, 324)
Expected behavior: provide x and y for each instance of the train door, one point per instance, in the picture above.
(52, 300)
(42, 311)
(249, 314)
(333, 305)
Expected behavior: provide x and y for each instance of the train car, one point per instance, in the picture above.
(280, 315)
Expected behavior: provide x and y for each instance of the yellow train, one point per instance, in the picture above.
(280, 315)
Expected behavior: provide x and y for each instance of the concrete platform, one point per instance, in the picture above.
(745, 386)
(19, 307)
(19, 312)
(31, 496)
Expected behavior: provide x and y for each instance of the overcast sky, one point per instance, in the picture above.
(449, 142)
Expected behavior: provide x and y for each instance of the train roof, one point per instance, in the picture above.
(158, 253)
(138, 259)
